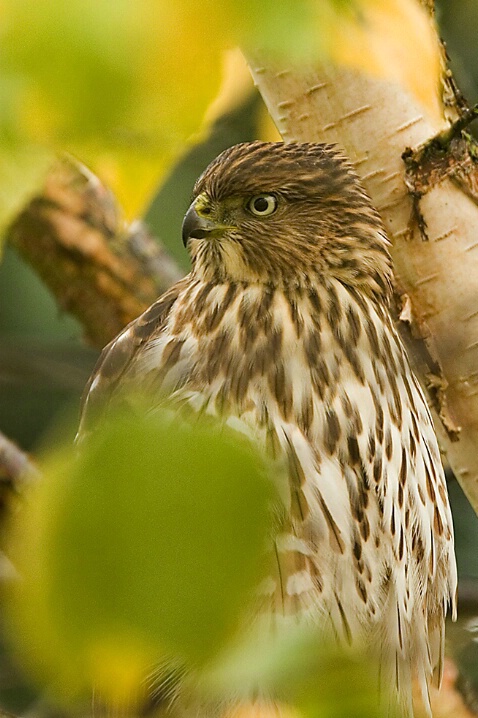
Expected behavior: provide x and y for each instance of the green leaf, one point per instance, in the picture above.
(298, 667)
(125, 84)
(121, 84)
(146, 545)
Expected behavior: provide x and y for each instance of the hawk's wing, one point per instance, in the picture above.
(118, 356)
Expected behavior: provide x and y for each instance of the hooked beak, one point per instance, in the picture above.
(195, 226)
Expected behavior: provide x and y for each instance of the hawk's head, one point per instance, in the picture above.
(285, 214)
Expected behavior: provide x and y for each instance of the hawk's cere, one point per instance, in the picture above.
(284, 323)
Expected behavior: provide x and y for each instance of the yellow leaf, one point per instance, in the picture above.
(262, 709)
(235, 87)
(22, 171)
(390, 39)
(125, 84)
(121, 84)
(119, 664)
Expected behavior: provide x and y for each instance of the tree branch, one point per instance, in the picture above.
(98, 268)
(15, 465)
(16, 470)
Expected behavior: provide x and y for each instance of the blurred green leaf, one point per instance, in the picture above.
(145, 545)
(299, 668)
(121, 84)
(124, 84)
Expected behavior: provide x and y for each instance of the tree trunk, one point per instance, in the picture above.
(434, 227)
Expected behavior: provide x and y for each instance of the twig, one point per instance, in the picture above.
(16, 470)
(15, 465)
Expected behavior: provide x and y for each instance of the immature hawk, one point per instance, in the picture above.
(284, 323)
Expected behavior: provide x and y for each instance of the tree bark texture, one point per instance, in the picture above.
(98, 268)
(429, 211)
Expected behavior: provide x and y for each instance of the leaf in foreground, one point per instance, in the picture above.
(147, 544)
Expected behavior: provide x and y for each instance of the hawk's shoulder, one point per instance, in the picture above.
(117, 356)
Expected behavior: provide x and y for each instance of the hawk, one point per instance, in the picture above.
(284, 324)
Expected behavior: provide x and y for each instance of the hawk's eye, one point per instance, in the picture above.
(262, 205)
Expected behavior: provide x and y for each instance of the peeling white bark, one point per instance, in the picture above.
(375, 121)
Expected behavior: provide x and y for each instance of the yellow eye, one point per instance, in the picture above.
(262, 205)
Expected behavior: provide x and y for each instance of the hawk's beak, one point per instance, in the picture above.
(195, 226)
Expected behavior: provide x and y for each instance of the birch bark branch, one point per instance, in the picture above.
(100, 269)
(375, 121)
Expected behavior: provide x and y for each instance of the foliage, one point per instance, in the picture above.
(146, 543)
(124, 84)
(144, 549)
